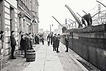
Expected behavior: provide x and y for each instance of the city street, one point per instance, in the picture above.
(47, 60)
(79, 26)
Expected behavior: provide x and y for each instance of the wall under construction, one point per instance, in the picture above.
(90, 43)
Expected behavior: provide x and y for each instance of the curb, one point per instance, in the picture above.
(73, 58)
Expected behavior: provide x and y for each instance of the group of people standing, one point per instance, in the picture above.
(39, 38)
(54, 40)
(50, 39)
(12, 43)
(26, 43)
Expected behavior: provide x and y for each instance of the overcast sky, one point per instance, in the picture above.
(56, 8)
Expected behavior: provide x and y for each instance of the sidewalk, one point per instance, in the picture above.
(19, 63)
(49, 60)
(46, 60)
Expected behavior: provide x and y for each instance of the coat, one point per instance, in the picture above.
(55, 41)
(66, 42)
(13, 41)
(23, 44)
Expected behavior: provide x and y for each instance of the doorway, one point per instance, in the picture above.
(12, 19)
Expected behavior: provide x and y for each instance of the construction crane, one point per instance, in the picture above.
(63, 27)
(101, 3)
(57, 21)
(75, 16)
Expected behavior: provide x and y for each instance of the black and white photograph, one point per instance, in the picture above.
(52, 35)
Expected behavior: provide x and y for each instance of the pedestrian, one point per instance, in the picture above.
(54, 42)
(51, 38)
(13, 44)
(25, 43)
(66, 43)
(48, 39)
(1, 47)
(57, 43)
(36, 39)
(42, 39)
(28, 42)
(1, 41)
(21, 44)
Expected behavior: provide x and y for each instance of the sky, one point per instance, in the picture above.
(56, 8)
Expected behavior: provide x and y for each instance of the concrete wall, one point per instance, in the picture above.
(90, 43)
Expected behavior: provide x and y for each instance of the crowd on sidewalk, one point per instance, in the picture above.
(27, 41)
(55, 40)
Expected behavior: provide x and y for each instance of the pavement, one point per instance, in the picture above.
(47, 60)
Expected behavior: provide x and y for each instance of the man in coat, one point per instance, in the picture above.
(57, 43)
(66, 43)
(48, 39)
(54, 42)
(13, 44)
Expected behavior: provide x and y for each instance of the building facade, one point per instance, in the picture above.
(35, 11)
(28, 16)
(8, 23)
(18, 16)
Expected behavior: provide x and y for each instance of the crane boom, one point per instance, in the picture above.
(74, 15)
(101, 4)
(57, 21)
